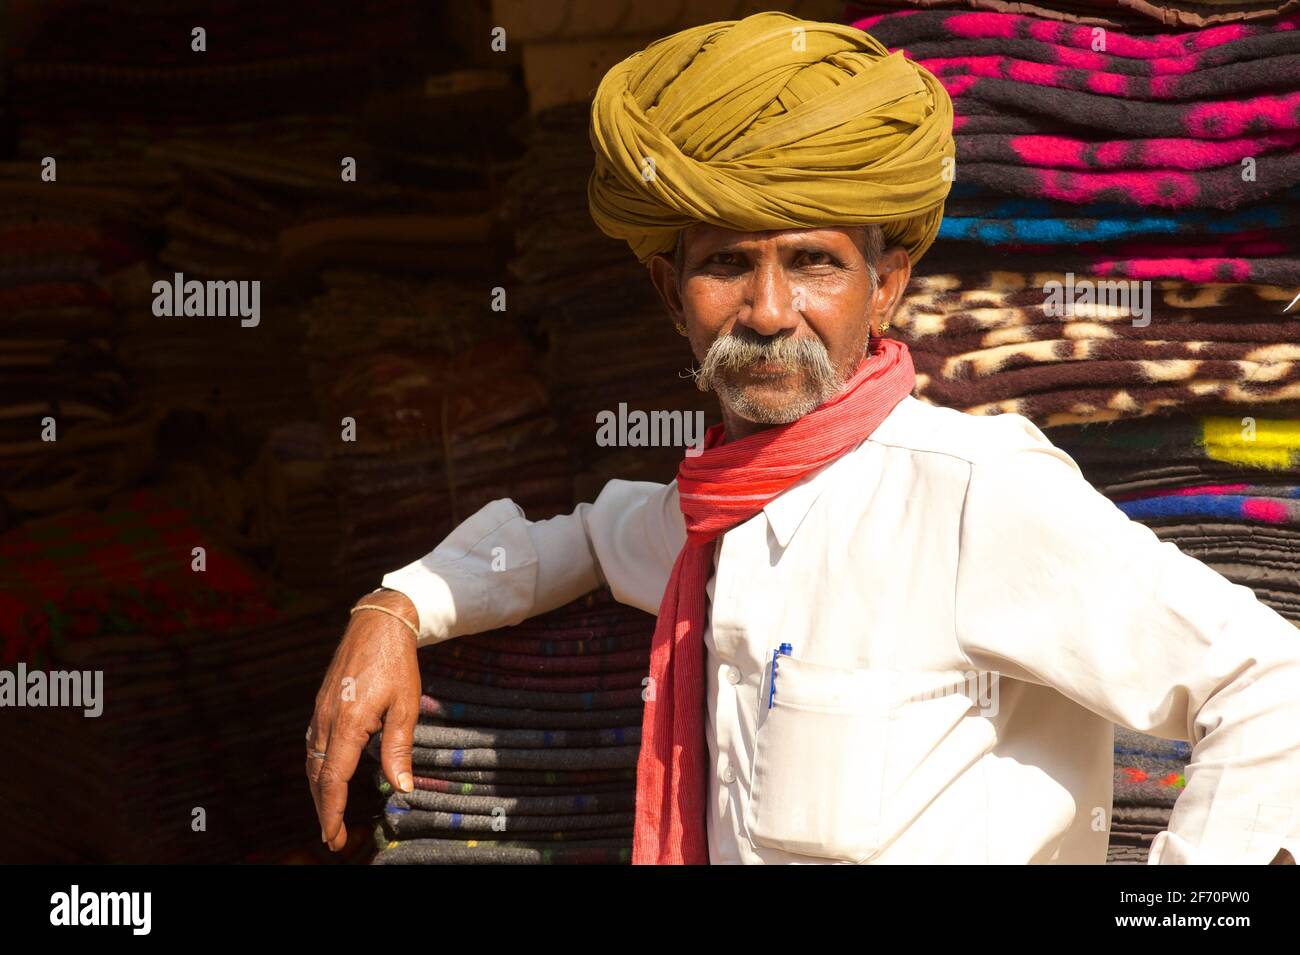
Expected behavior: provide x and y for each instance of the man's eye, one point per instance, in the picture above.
(819, 258)
(724, 258)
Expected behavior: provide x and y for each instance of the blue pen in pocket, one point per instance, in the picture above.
(771, 692)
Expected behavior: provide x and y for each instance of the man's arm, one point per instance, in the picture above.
(497, 568)
(1057, 586)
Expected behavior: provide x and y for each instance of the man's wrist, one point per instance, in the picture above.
(393, 601)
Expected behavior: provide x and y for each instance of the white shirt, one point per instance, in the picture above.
(968, 616)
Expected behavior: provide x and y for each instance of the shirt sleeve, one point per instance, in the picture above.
(497, 568)
(1057, 586)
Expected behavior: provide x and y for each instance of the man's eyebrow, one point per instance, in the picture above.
(728, 247)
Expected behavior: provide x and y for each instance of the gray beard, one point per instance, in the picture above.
(731, 353)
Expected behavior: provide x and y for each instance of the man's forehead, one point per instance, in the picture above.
(707, 234)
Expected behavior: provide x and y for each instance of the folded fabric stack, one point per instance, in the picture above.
(206, 677)
(1224, 490)
(240, 184)
(1131, 14)
(1148, 779)
(610, 341)
(72, 427)
(106, 196)
(1103, 160)
(999, 341)
(527, 741)
(80, 66)
(430, 406)
(294, 512)
(88, 84)
(273, 136)
(243, 380)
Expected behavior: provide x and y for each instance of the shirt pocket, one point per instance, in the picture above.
(818, 761)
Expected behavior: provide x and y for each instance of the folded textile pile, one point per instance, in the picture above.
(1132, 14)
(294, 512)
(527, 741)
(1080, 276)
(1062, 349)
(1111, 128)
(205, 676)
(243, 375)
(87, 81)
(248, 144)
(430, 406)
(72, 426)
(1224, 490)
(1148, 779)
(610, 342)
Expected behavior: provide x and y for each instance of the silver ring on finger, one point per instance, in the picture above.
(315, 754)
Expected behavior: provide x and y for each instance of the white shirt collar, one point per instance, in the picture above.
(786, 511)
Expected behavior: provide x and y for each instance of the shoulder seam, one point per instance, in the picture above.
(910, 447)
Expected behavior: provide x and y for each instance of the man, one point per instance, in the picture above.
(966, 616)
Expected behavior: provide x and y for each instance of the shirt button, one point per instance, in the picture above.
(733, 675)
(728, 775)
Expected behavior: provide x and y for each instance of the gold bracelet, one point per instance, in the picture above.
(392, 613)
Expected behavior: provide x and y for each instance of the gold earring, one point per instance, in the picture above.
(681, 329)
(884, 328)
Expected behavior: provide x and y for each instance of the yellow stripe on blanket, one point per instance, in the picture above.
(1255, 442)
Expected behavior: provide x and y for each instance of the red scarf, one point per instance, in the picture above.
(724, 486)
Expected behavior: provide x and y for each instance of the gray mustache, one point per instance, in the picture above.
(734, 352)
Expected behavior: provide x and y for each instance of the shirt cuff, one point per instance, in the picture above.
(1259, 848)
(449, 585)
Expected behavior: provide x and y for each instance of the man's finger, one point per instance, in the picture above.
(395, 747)
(317, 740)
(344, 751)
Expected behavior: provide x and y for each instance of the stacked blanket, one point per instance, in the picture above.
(1131, 14)
(526, 746)
(1121, 236)
(1224, 490)
(72, 426)
(1149, 776)
(81, 62)
(609, 340)
(227, 164)
(1120, 126)
(207, 676)
(294, 512)
(430, 406)
(305, 134)
(1062, 349)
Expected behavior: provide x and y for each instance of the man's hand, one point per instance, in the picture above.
(373, 683)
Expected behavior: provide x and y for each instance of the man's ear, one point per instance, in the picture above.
(895, 271)
(664, 276)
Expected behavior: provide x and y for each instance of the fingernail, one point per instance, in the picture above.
(322, 837)
(405, 783)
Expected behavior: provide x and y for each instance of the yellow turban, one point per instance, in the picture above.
(770, 122)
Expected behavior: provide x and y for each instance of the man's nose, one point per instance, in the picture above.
(772, 305)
